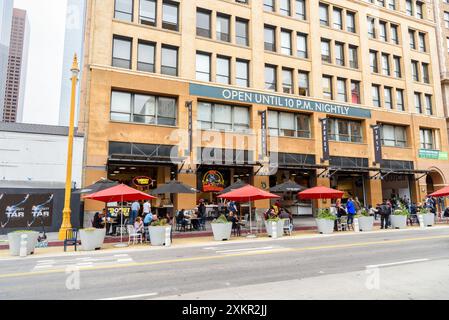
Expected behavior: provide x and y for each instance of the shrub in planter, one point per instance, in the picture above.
(15, 237)
(221, 228)
(158, 232)
(399, 218)
(92, 238)
(428, 217)
(366, 222)
(325, 221)
(277, 224)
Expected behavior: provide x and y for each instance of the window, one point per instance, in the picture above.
(223, 23)
(169, 60)
(337, 19)
(411, 34)
(397, 66)
(394, 34)
(287, 80)
(148, 12)
(341, 90)
(301, 9)
(427, 137)
(373, 61)
(270, 78)
(419, 10)
(388, 98)
(222, 117)
(345, 130)
(301, 45)
(383, 31)
(268, 5)
(241, 32)
(121, 52)
(124, 10)
(409, 7)
(242, 73)
(394, 136)
(415, 72)
(284, 7)
(422, 42)
(203, 66)
(325, 51)
(140, 108)
(400, 100)
(339, 54)
(385, 64)
(145, 56)
(392, 4)
(286, 42)
(425, 72)
(350, 21)
(371, 28)
(355, 92)
(303, 83)
(324, 14)
(429, 108)
(223, 70)
(327, 87)
(418, 105)
(170, 15)
(270, 38)
(353, 58)
(288, 124)
(203, 23)
(375, 93)
(446, 19)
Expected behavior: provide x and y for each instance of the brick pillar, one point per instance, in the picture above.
(188, 200)
(324, 203)
(262, 182)
(373, 192)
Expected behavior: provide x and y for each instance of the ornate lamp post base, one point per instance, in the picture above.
(65, 223)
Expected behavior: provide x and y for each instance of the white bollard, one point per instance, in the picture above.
(23, 245)
(167, 237)
(274, 230)
(421, 221)
(356, 225)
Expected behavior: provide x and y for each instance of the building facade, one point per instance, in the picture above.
(344, 95)
(6, 9)
(17, 67)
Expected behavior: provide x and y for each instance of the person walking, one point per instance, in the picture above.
(350, 208)
(135, 207)
(146, 207)
(358, 205)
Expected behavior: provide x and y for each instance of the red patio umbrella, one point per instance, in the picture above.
(248, 193)
(320, 193)
(441, 193)
(120, 193)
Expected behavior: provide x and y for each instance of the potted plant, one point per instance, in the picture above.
(325, 221)
(15, 237)
(158, 231)
(366, 222)
(399, 217)
(221, 228)
(92, 238)
(428, 217)
(274, 224)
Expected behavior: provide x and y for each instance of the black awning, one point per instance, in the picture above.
(146, 160)
(299, 166)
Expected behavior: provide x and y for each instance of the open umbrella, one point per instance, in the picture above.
(120, 193)
(99, 185)
(320, 193)
(173, 187)
(236, 185)
(441, 193)
(287, 186)
(248, 193)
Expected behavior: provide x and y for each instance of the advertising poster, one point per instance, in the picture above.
(213, 181)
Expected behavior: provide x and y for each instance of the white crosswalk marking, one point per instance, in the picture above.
(82, 262)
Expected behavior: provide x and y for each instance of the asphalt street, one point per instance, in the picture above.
(392, 264)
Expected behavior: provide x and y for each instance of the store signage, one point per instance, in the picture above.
(433, 154)
(276, 101)
(377, 144)
(324, 132)
(114, 211)
(263, 134)
(213, 181)
(143, 181)
(26, 210)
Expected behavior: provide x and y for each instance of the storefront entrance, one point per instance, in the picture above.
(352, 184)
(396, 186)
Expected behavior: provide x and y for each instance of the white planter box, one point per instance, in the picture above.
(366, 223)
(398, 221)
(278, 228)
(325, 226)
(429, 219)
(14, 239)
(221, 231)
(158, 235)
(92, 239)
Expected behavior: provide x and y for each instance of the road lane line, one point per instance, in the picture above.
(133, 296)
(396, 263)
(215, 257)
(244, 249)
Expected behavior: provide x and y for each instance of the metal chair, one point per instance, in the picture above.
(342, 223)
(133, 235)
(71, 238)
(288, 227)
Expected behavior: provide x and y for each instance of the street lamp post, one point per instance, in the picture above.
(66, 212)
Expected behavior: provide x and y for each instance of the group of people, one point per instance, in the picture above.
(196, 217)
(278, 211)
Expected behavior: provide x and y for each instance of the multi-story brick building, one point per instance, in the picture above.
(357, 64)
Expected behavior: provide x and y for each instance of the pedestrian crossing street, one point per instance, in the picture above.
(81, 262)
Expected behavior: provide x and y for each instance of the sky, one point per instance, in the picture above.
(46, 50)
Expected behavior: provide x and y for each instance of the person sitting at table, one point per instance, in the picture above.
(181, 218)
(97, 221)
(138, 225)
(147, 219)
(235, 222)
(195, 220)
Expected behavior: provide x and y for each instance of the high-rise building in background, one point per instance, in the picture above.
(73, 43)
(17, 67)
(6, 9)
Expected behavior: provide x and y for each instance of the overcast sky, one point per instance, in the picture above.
(47, 27)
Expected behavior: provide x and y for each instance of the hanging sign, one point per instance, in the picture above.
(143, 181)
(213, 181)
(263, 134)
(324, 124)
(377, 144)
